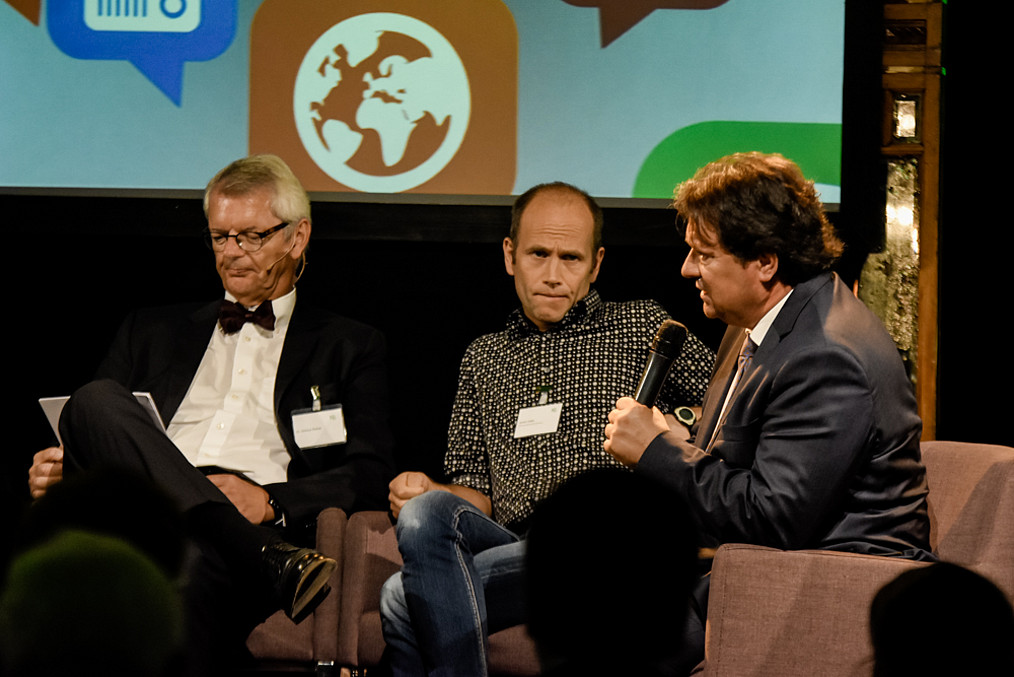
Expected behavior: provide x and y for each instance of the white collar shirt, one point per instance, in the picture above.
(227, 418)
(756, 335)
(760, 330)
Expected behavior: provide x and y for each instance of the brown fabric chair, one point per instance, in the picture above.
(371, 557)
(971, 507)
(773, 612)
(314, 641)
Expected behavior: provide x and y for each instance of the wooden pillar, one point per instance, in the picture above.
(912, 77)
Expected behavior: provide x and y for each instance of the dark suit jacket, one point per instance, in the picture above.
(820, 445)
(159, 350)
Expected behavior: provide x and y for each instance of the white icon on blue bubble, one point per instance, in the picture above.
(157, 36)
(153, 16)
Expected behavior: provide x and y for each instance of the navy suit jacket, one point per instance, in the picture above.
(820, 443)
(159, 350)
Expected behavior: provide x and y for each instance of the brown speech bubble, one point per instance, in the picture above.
(616, 17)
(30, 9)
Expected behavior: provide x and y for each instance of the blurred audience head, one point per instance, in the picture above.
(611, 562)
(88, 604)
(112, 502)
(942, 619)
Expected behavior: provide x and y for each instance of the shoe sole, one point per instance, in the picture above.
(313, 588)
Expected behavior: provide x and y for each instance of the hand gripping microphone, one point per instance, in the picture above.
(664, 349)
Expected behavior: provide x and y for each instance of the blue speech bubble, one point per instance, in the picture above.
(157, 36)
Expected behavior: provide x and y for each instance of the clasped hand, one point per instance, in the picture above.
(250, 499)
(406, 486)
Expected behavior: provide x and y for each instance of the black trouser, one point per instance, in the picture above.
(224, 591)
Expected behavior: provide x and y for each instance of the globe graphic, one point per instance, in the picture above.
(381, 102)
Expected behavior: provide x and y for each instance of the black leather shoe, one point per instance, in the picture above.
(300, 577)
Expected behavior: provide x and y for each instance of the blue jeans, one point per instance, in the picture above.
(462, 579)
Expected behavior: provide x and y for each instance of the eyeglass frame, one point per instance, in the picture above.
(209, 238)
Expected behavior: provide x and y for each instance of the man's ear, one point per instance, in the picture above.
(301, 237)
(768, 267)
(598, 263)
(508, 256)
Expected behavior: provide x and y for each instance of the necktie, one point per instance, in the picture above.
(232, 316)
(745, 356)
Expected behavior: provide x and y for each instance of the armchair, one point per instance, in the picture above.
(314, 641)
(774, 612)
(371, 557)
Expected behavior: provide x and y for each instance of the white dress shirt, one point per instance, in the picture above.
(228, 415)
(760, 330)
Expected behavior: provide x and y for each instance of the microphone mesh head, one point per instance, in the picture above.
(669, 339)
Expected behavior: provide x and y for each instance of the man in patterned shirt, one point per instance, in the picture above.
(529, 414)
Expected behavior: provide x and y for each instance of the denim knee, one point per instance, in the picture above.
(427, 517)
(392, 599)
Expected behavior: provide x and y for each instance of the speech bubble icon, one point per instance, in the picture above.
(616, 17)
(30, 9)
(157, 36)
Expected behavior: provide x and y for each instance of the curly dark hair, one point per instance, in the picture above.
(762, 204)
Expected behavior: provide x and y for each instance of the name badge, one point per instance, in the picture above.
(320, 428)
(538, 420)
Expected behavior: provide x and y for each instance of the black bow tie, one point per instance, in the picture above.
(232, 316)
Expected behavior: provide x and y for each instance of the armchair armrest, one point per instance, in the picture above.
(785, 613)
(371, 557)
(314, 639)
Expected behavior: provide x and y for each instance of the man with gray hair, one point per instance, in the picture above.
(275, 410)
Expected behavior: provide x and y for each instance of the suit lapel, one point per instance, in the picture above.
(728, 355)
(191, 345)
(786, 320)
(300, 343)
(721, 379)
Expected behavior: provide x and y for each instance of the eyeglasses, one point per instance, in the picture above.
(247, 240)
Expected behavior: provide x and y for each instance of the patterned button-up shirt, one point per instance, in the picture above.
(587, 361)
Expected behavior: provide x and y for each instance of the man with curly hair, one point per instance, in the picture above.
(809, 436)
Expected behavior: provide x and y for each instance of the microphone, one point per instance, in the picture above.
(279, 259)
(664, 349)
